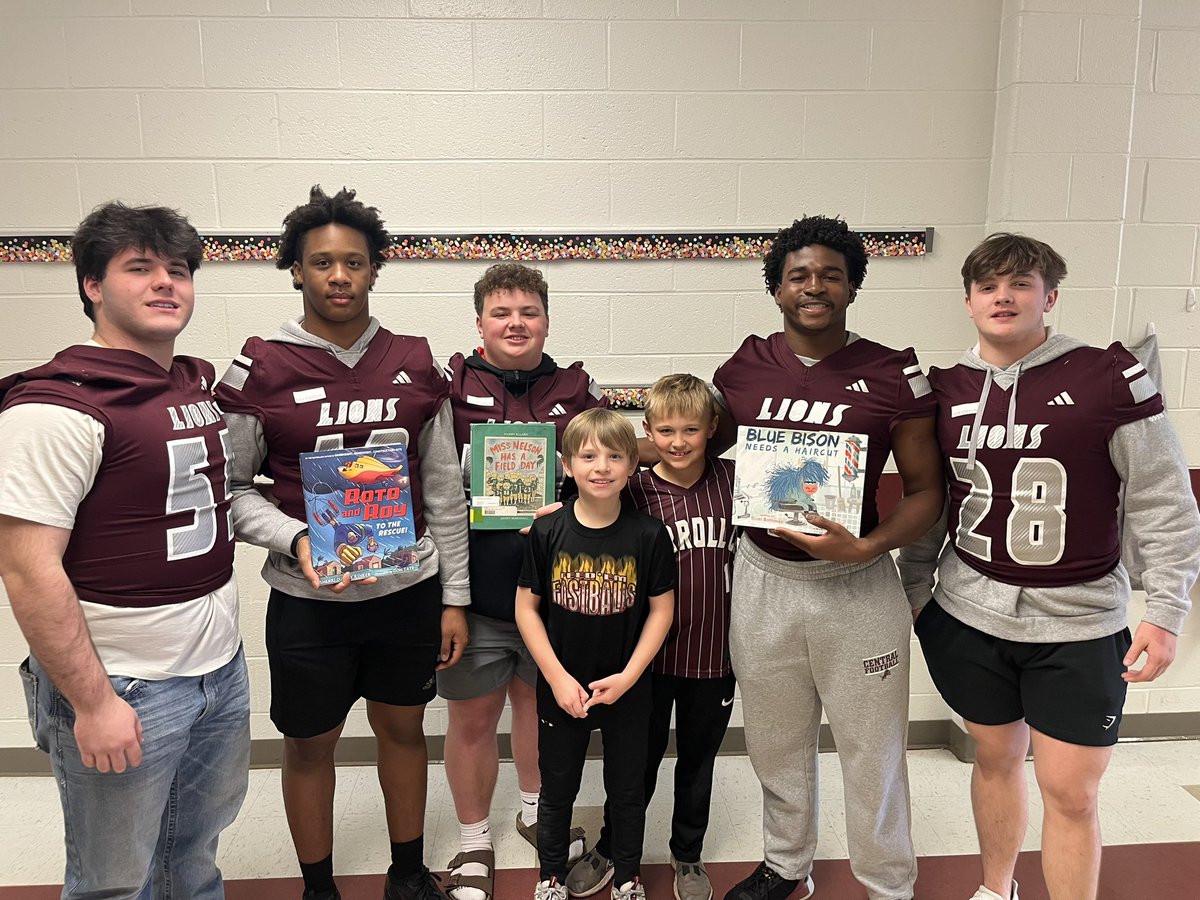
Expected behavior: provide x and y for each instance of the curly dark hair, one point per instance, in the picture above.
(320, 210)
(508, 276)
(832, 233)
(113, 227)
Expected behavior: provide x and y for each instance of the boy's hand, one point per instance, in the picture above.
(836, 544)
(570, 696)
(1159, 646)
(304, 558)
(543, 511)
(609, 690)
(454, 636)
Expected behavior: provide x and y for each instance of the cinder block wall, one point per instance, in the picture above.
(1074, 120)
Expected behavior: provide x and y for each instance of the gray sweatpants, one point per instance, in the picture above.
(836, 635)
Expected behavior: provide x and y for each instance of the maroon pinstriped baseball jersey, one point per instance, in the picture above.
(307, 399)
(1041, 512)
(864, 387)
(155, 529)
(697, 518)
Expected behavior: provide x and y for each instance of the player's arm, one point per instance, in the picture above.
(918, 562)
(1161, 514)
(44, 603)
(915, 449)
(445, 509)
(654, 632)
(567, 691)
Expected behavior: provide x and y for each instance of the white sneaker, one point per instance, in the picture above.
(630, 890)
(550, 890)
(985, 894)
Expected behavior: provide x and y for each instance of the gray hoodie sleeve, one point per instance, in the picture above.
(256, 520)
(1161, 513)
(919, 560)
(445, 505)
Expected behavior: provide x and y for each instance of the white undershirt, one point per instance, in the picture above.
(49, 457)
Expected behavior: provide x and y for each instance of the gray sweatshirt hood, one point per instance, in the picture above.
(292, 332)
(1007, 378)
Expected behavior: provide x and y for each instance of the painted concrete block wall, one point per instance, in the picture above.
(453, 115)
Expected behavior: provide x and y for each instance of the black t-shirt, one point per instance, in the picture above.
(594, 585)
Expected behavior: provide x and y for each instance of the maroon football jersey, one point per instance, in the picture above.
(1042, 511)
(697, 518)
(156, 527)
(863, 387)
(307, 399)
(479, 396)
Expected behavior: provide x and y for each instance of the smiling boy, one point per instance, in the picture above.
(594, 605)
(816, 618)
(691, 492)
(379, 639)
(1026, 633)
(117, 556)
(509, 378)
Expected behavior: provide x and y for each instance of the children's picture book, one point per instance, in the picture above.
(781, 474)
(359, 505)
(512, 473)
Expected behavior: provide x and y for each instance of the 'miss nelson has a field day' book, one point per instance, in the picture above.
(512, 473)
(782, 474)
(359, 505)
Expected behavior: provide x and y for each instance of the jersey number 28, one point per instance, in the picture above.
(1036, 529)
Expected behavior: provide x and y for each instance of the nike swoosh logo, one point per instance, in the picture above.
(728, 702)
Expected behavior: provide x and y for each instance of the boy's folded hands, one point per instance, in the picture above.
(570, 695)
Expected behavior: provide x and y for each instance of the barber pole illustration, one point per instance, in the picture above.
(851, 468)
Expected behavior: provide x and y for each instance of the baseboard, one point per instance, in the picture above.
(267, 753)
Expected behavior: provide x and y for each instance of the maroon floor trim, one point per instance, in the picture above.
(1129, 872)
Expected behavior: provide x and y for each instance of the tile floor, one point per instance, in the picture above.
(1145, 799)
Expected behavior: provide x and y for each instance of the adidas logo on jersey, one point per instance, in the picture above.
(1063, 399)
(860, 386)
(557, 410)
(401, 378)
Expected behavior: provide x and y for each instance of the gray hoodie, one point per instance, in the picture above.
(442, 550)
(1160, 514)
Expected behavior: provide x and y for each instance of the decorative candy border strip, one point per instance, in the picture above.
(507, 245)
(625, 396)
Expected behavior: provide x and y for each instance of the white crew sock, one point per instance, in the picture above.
(529, 807)
(475, 836)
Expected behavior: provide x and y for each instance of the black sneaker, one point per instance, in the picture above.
(326, 894)
(421, 885)
(764, 883)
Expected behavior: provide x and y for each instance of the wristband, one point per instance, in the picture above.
(296, 540)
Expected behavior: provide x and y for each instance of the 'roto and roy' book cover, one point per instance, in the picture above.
(359, 505)
(783, 473)
(512, 473)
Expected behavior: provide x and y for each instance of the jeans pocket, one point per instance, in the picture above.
(128, 689)
(29, 682)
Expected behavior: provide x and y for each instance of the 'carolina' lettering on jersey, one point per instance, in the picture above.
(355, 412)
(815, 412)
(194, 415)
(699, 532)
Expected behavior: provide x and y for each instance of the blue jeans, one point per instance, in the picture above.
(151, 831)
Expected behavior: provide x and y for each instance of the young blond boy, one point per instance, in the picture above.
(594, 603)
(692, 493)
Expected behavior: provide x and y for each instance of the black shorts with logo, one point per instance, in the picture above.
(326, 654)
(1072, 691)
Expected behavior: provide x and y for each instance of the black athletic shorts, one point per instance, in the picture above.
(326, 654)
(1072, 691)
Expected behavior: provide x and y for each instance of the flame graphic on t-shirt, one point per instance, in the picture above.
(598, 587)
